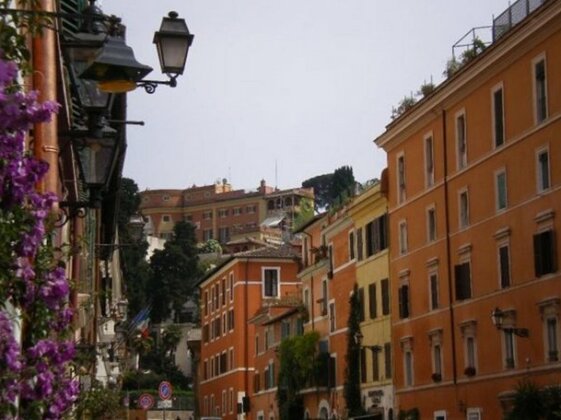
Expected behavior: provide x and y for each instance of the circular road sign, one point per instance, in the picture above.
(165, 390)
(146, 401)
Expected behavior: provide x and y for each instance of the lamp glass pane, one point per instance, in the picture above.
(96, 159)
(172, 52)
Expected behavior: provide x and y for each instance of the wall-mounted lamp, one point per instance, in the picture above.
(358, 341)
(498, 317)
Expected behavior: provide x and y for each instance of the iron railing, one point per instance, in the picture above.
(513, 15)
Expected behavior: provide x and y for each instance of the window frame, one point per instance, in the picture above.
(431, 223)
(428, 139)
(401, 178)
(463, 209)
(434, 289)
(461, 139)
(264, 280)
(538, 119)
(501, 181)
(542, 175)
(402, 242)
(498, 87)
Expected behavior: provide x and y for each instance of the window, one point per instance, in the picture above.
(361, 303)
(306, 299)
(504, 266)
(207, 234)
(257, 382)
(332, 321)
(437, 361)
(375, 364)
(508, 342)
(540, 89)
(207, 215)
(552, 339)
(224, 234)
(166, 218)
(542, 170)
(401, 178)
(470, 353)
(550, 315)
(461, 140)
(498, 116)
(463, 209)
(271, 282)
(165, 197)
(324, 297)
(351, 245)
(231, 280)
(500, 190)
(237, 211)
(388, 360)
(376, 235)
(330, 261)
(222, 213)
(251, 209)
(223, 291)
(431, 224)
(231, 400)
(403, 292)
(429, 161)
(473, 414)
(359, 245)
(402, 237)
(544, 253)
(231, 320)
(256, 345)
(385, 296)
(372, 304)
(463, 281)
(205, 302)
(408, 367)
(285, 329)
(433, 287)
(231, 358)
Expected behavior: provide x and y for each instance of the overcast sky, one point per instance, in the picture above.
(283, 90)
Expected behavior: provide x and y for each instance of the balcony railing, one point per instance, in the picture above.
(516, 13)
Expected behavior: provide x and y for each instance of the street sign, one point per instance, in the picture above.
(145, 401)
(165, 390)
(165, 404)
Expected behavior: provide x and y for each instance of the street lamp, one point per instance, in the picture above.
(498, 316)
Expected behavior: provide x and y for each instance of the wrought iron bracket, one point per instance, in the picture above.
(151, 85)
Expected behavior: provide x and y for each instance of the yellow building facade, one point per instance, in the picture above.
(369, 240)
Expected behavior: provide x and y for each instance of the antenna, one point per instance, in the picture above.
(276, 176)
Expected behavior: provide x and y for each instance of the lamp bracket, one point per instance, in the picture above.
(520, 332)
(70, 210)
(151, 85)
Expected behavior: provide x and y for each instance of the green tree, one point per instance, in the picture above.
(305, 213)
(333, 188)
(298, 363)
(136, 270)
(98, 403)
(171, 337)
(174, 272)
(352, 372)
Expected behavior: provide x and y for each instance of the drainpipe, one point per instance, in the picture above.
(448, 252)
(44, 61)
(246, 334)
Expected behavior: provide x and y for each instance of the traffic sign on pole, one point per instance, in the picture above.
(146, 401)
(165, 390)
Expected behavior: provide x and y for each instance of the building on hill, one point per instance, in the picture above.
(474, 203)
(230, 296)
(227, 215)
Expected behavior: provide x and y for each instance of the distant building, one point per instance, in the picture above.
(233, 217)
(474, 204)
(231, 295)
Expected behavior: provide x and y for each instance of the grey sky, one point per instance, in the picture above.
(307, 84)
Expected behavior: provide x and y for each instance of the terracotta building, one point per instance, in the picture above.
(231, 296)
(474, 203)
(234, 217)
(328, 277)
(273, 323)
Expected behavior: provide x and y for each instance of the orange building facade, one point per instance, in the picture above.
(231, 296)
(474, 203)
(328, 277)
(221, 213)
